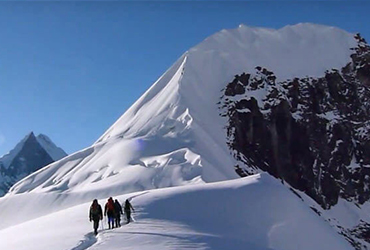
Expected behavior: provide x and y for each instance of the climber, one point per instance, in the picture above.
(95, 215)
(118, 210)
(109, 210)
(127, 209)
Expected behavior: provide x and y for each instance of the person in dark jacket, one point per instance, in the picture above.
(127, 209)
(110, 211)
(118, 210)
(95, 215)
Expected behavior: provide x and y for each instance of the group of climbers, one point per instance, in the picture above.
(112, 210)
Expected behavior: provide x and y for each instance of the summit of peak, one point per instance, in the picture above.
(30, 135)
(292, 51)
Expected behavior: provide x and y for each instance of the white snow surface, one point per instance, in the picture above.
(249, 213)
(174, 136)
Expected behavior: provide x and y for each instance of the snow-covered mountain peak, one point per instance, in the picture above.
(29, 155)
(55, 152)
(8, 157)
(194, 82)
(193, 85)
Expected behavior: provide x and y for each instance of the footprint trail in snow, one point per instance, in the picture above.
(87, 242)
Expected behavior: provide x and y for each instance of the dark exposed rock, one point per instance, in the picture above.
(348, 235)
(313, 133)
(235, 87)
(316, 211)
(362, 231)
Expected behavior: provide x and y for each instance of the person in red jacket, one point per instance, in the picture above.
(110, 211)
(95, 215)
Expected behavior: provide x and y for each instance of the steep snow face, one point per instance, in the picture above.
(269, 217)
(173, 135)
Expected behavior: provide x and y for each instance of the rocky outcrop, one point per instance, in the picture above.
(312, 132)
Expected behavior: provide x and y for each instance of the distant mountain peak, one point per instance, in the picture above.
(29, 155)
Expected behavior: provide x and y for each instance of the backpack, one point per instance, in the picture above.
(118, 207)
(94, 210)
(110, 206)
(127, 206)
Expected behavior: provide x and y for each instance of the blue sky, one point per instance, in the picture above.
(70, 69)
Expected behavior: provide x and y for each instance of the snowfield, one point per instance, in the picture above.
(254, 213)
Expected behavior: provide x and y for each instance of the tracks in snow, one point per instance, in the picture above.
(87, 242)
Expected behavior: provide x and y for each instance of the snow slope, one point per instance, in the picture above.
(99, 172)
(176, 218)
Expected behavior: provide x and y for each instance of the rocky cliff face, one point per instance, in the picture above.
(312, 133)
(28, 156)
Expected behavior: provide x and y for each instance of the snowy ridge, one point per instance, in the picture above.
(261, 222)
(136, 115)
